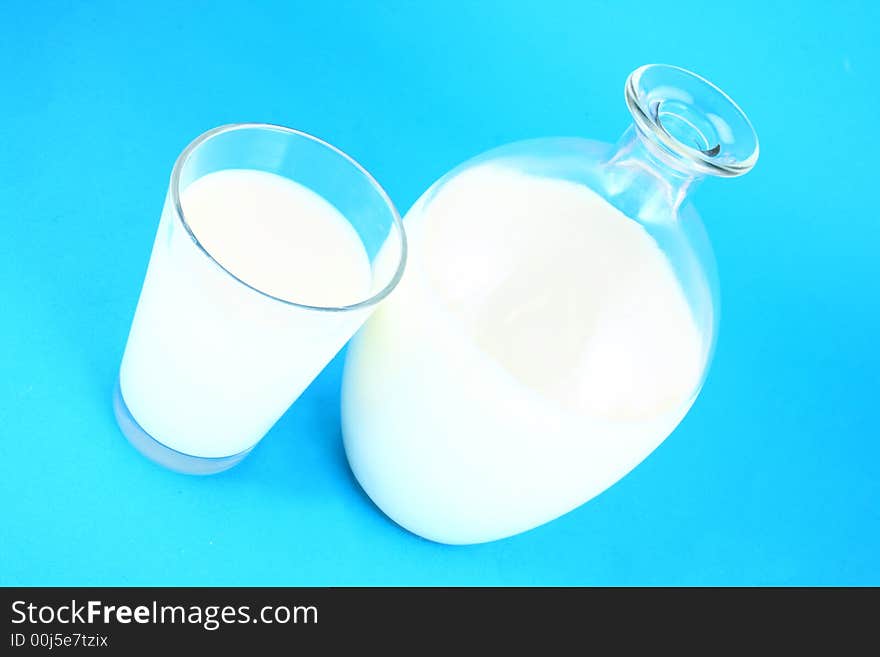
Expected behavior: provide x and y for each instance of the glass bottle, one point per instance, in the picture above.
(555, 322)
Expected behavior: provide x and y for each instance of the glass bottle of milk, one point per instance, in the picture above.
(554, 325)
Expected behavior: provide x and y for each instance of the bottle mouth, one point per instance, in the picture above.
(689, 119)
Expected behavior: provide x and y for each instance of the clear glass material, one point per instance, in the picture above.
(214, 357)
(556, 322)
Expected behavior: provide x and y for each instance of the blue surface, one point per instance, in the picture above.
(773, 478)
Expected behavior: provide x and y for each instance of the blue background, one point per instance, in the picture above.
(771, 479)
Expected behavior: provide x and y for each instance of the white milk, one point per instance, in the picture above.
(210, 364)
(537, 349)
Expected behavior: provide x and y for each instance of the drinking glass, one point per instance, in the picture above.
(214, 359)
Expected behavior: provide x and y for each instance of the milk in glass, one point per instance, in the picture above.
(212, 361)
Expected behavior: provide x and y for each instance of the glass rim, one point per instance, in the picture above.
(397, 222)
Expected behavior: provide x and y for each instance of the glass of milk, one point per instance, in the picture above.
(272, 249)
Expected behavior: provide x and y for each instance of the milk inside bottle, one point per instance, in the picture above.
(537, 349)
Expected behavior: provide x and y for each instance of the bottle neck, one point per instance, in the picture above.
(644, 182)
(684, 128)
